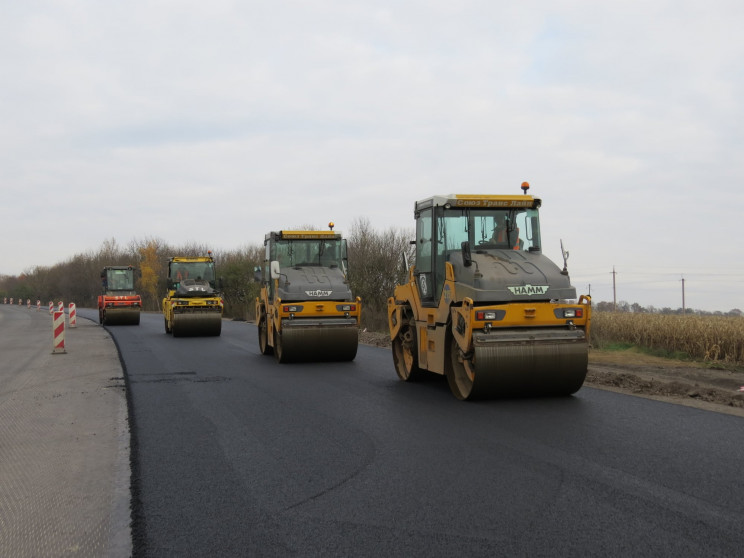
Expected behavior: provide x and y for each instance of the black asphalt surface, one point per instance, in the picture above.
(236, 455)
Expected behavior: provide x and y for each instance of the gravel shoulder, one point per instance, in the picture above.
(700, 385)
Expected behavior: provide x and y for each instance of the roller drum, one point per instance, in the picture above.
(121, 316)
(528, 363)
(316, 342)
(193, 324)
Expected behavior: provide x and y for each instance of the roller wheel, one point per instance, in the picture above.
(167, 326)
(405, 354)
(263, 338)
(461, 373)
(100, 316)
(278, 349)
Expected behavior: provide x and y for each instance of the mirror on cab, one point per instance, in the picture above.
(275, 269)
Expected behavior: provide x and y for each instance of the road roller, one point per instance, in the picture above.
(193, 305)
(305, 310)
(484, 307)
(119, 303)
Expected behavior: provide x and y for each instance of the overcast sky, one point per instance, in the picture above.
(216, 122)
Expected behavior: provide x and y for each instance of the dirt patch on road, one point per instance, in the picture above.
(699, 385)
(374, 339)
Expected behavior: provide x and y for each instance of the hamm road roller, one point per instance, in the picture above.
(484, 307)
(305, 311)
(118, 304)
(193, 305)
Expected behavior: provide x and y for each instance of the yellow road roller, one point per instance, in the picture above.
(118, 303)
(193, 305)
(305, 310)
(484, 307)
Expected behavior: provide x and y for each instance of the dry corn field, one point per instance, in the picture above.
(710, 338)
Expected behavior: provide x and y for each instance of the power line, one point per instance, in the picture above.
(659, 287)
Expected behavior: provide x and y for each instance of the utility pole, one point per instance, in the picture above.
(684, 311)
(614, 291)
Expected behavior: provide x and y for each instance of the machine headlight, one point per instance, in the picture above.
(573, 313)
(486, 315)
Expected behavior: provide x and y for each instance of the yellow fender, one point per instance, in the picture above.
(395, 316)
(259, 310)
(586, 300)
(404, 294)
(462, 325)
(274, 318)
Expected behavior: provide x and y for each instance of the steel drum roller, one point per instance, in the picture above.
(524, 362)
(122, 316)
(190, 324)
(319, 341)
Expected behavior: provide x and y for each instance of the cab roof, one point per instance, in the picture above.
(189, 259)
(480, 201)
(303, 235)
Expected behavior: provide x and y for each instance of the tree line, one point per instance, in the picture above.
(375, 267)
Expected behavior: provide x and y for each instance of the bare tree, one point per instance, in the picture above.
(239, 290)
(376, 267)
(152, 270)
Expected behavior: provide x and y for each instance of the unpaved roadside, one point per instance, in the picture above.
(701, 385)
(64, 440)
(697, 385)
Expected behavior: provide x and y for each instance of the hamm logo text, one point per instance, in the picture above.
(529, 290)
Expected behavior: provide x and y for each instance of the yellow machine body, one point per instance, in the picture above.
(305, 310)
(192, 305)
(485, 309)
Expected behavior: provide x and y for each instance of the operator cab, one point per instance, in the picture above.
(294, 250)
(195, 272)
(118, 279)
(455, 227)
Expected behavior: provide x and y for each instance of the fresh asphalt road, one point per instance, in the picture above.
(236, 455)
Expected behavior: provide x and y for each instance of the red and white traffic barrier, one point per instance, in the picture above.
(28, 303)
(58, 329)
(11, 300)
(73, 315)
(51, 307)
(60, 306)
(38, 305)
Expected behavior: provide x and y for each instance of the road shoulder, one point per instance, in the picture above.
(64, 483)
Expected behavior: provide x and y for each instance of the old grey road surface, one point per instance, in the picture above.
(237, 455)
(64, 441)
